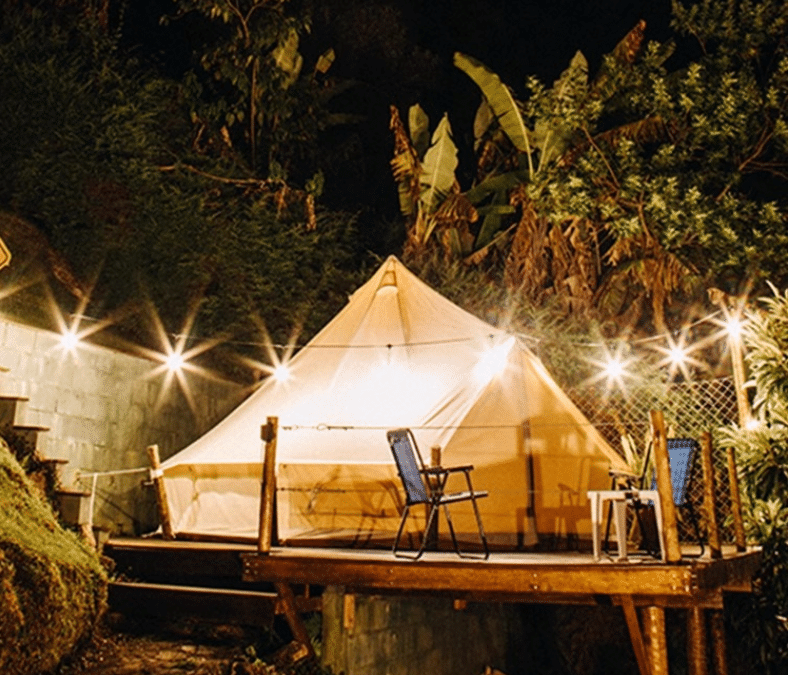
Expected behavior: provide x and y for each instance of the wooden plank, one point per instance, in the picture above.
(738, 520)
(662, 465)
(170, 602)
(511, 579)
(709, 495)
(635, 635)
(268, 489)
(161, 494)
(293, 617)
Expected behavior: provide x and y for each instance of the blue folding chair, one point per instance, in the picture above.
(682, 453)
(430, 491)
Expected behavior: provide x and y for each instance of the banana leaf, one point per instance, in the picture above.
(419, 128)
(497, 183)
(440, 162)
(500, 99)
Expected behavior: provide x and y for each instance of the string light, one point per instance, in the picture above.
(174, 362)
(69, 341)
(281, 373)
(493, 361)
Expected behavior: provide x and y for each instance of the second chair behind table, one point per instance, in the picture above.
(425, 485)
(682, 453)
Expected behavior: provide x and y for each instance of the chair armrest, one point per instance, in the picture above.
(437, 470)
(626, 476)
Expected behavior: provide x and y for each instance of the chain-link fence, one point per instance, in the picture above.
(689, 409)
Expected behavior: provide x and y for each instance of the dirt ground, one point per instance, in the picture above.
(123, 647)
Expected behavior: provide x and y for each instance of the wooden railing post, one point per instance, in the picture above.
(662, 464)
(161, 494)
(432, 535)
(268, 433)
(709, 495)
(738, 521)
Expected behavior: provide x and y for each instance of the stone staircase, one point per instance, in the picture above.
(71, 504)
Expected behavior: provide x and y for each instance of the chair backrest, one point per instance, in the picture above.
(681, 452)
(403, 447)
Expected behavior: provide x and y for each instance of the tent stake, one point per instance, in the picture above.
(268, 432)
(161, 494)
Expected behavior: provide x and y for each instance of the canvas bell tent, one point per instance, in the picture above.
(398, 355)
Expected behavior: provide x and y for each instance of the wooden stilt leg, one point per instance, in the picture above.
(293, 617)
(635, 634)
(697, 645)
(719, 652)
(656, 642)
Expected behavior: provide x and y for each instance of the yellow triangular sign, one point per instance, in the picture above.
(5, 255)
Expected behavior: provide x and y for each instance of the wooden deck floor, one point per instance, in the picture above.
(556, 577)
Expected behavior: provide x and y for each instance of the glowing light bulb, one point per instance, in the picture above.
(69, 341)
(677, 355)
(614, 369)
(281, 373)
(174, 362)
(493, 361)
(734, 327)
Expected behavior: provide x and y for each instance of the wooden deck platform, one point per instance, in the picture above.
(563, 577)
(642, 586)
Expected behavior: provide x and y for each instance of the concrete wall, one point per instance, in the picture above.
(392, 635)
(102, 409)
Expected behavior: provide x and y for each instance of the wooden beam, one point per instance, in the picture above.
(709, 495)
(738, 521)
(161, 494)
(656, 641)
(697, 644)
(662, 464)
(268, 433)
(294, 620)
(719, 649)
(460, 576)
(635, 635)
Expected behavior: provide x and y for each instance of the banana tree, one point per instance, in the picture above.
(522, 149)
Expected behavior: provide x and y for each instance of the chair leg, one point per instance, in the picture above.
(418, 554)
(482, 536)
(394, 550)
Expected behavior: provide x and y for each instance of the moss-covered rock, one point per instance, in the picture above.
(52, 586)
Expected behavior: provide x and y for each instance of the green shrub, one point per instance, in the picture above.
(52, 587)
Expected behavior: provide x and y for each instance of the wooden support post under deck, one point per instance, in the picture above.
(709, 493)
(635, 634)
(697, 644)
(293, 617)
(268, 433)
(738, 521)
(719, 650)
(656, 641)
(161, 494)
(662, 464)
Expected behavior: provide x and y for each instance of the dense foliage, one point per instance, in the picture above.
(105, 164)
(52, 587)
(762, 454)
(618, 194)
